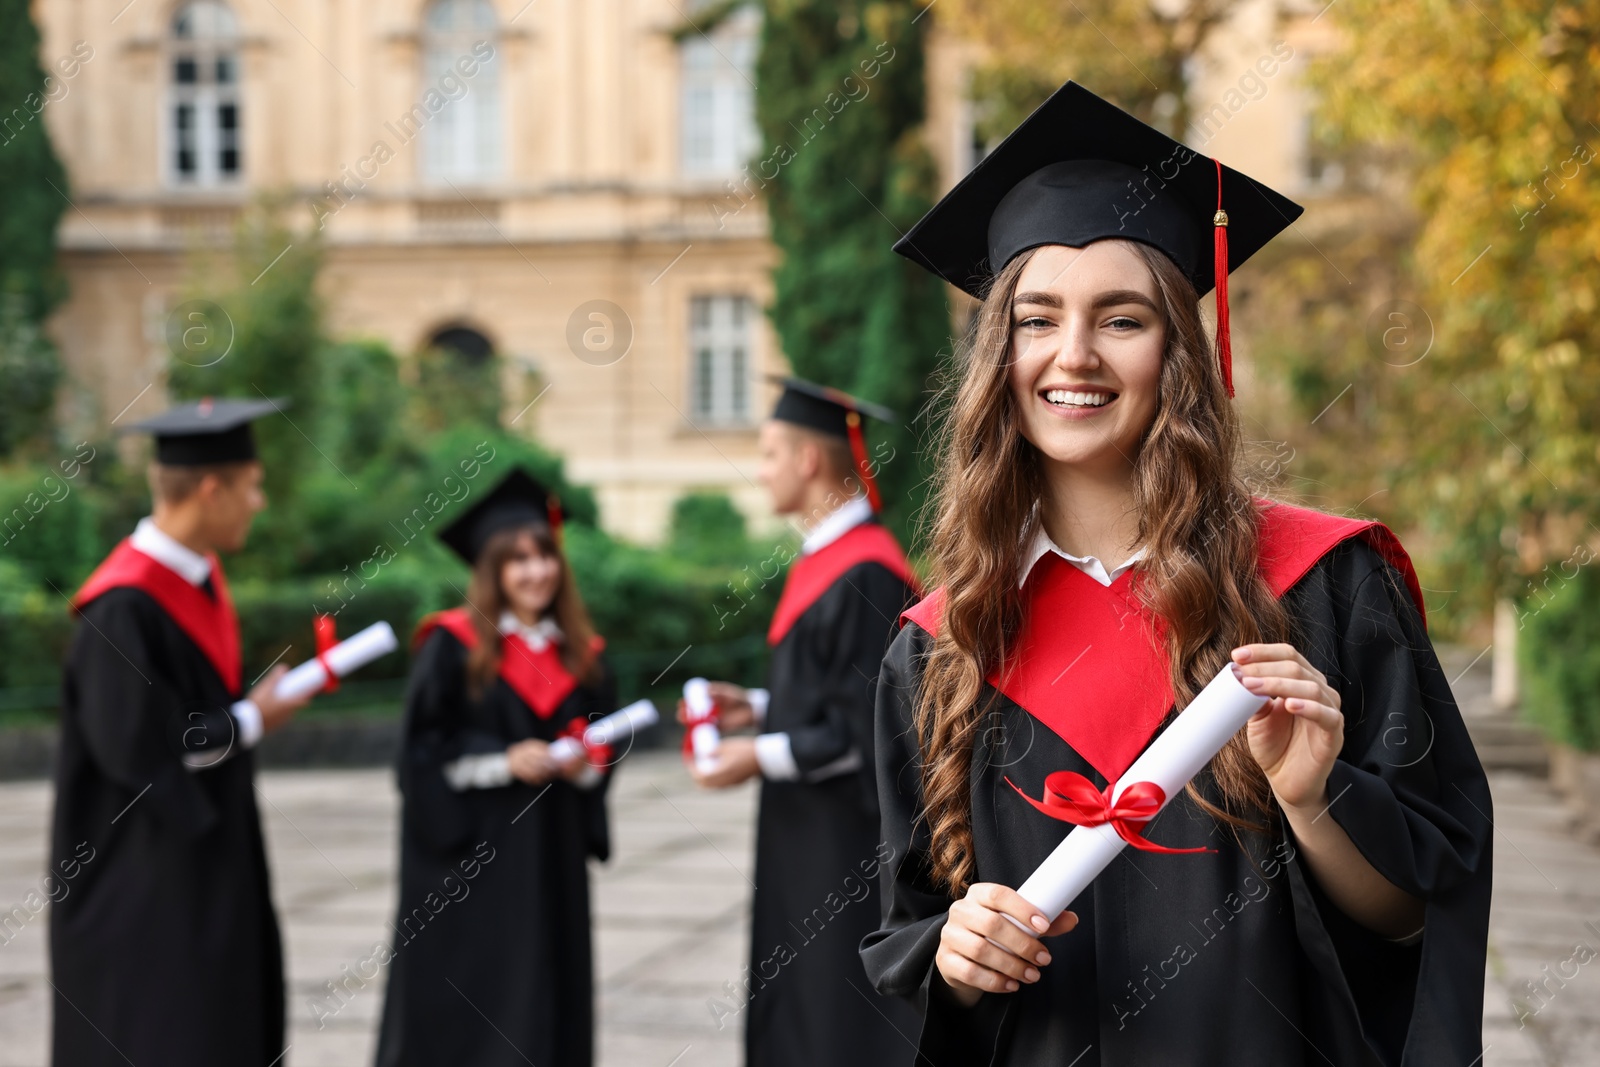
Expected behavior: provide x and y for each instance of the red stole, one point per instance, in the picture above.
(1091, 664)
(538, 677)
(209, 622)
(814, 574)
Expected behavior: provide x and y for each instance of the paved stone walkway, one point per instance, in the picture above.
(673, 905)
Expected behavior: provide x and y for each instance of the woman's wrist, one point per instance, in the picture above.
(1306, 812)
(947, 991)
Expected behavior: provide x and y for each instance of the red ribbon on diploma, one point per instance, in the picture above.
(323, 628)
(691, 719)
(599, 755)
(1070, 797)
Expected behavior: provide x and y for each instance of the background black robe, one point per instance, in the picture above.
(494, 968)
(165, 949)
(817, 844)
(1233, 958)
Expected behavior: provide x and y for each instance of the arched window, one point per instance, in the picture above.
(460, 92)
(716, 102)
(464, 342)
(203, 135)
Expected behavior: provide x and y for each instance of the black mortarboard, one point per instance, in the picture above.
(1080, 169)
(519, 499)
(206, 431)
(836, 413)
(817, 407)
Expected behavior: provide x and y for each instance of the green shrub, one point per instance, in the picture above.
(1559, 660)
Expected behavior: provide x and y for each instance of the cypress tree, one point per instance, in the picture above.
(33, 189)
(840, 102)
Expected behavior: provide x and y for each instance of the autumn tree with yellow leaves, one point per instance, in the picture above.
(1490, 112)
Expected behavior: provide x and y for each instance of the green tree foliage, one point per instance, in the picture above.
(1560, 659)
(253, 328)
(33, 185)
(33, 190)
(844, 171)
(707, 529)
(30, 372)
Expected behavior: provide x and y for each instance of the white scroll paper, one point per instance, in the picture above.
(351, 654)
(704, 736)
(1172, 759)
(618, 726)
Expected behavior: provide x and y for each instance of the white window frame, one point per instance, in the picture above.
(722, 335)
(463, 142)
(717, 133)
(213, 39)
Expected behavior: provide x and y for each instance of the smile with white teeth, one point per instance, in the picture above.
(1069, 398)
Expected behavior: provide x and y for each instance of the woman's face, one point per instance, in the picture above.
(1087, 339)
(529, 578)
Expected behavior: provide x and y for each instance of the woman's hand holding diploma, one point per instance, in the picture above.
(532, 763)
(1296, 738)
(984, 946)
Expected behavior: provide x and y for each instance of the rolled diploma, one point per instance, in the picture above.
(351, 654)
(704, 737)
(614, 727)
(1172, 759)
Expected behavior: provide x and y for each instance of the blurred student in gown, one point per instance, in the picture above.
(805, 996)
(491, 961)
(165, 948)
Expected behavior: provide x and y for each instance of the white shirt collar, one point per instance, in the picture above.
(538, 636)
(838, 522)
(1090, 565)
(168, 551)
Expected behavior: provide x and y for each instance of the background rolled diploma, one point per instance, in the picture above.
(617, 726)
(704, 737)
(620, 725)
(351, 654)
(1173, 758)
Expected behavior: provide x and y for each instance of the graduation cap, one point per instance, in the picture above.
(518, 500)
(1080, 169)
(835, 413)
(206, 431)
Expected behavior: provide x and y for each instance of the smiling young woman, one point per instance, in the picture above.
(1089, 423)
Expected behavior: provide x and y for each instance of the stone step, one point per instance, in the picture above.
(1506, 743)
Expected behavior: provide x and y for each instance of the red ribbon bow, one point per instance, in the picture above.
(599, 755)
(1070, 797)
(323, 628)
(691, 719)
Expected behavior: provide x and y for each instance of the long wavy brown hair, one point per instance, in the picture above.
(1197, 520)
(486, 600)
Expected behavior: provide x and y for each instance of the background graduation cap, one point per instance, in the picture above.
(206, 431)
(832, 412)
(1080, 169)
(519, 499)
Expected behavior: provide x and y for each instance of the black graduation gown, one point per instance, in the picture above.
(1235, 957)
(818, 849)
(490, 961)
(165, 948)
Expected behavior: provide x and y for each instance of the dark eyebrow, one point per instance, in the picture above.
(1110, 298)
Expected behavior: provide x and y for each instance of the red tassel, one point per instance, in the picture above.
(552, 510)
(858, 448)
(1219, 231)
(323, 628)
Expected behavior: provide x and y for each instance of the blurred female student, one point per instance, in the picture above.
(491, 961)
